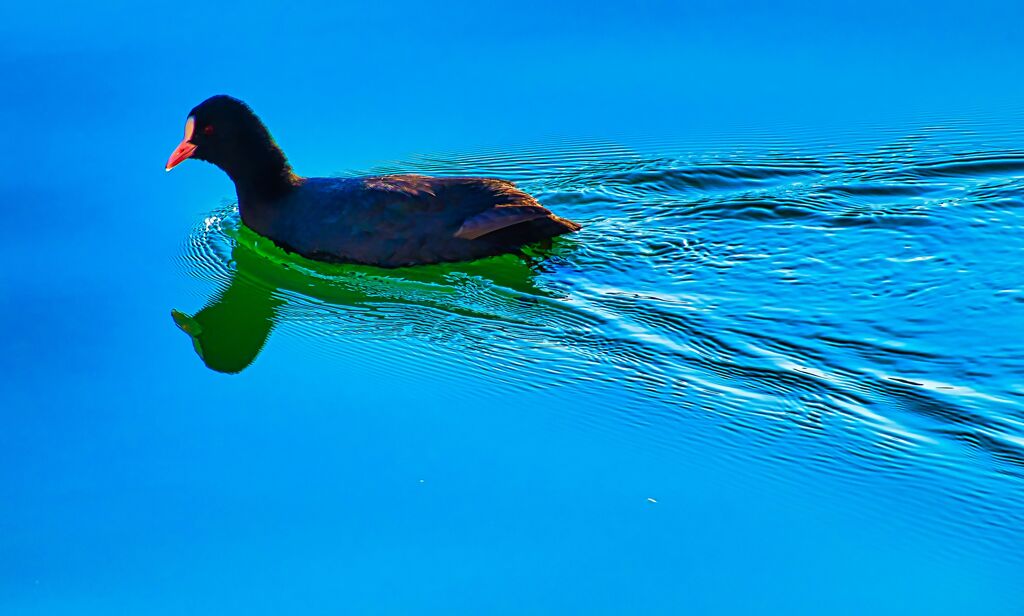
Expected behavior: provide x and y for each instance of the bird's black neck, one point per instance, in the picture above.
(262, 180)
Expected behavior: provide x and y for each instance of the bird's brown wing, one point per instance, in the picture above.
(499, 217)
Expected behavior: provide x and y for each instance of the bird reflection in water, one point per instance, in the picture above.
(231, 330)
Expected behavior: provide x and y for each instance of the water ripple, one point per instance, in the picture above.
(857, 304)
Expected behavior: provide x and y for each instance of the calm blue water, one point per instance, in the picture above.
(779, 370)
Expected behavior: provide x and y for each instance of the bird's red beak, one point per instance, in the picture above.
(185, 149)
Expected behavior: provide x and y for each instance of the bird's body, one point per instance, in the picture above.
(390, 221)
(399, 220)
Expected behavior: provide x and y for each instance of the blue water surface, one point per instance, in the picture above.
(778, 371)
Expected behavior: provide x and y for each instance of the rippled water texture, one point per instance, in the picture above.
(852, 307)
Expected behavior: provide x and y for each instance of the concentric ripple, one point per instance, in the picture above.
(863, 306)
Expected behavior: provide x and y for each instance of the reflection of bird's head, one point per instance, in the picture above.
(231, 330)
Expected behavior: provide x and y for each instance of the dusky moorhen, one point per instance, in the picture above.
(388, 220)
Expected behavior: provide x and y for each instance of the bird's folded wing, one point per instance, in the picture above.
(499, 217)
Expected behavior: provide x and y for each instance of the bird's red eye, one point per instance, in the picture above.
(208, 129)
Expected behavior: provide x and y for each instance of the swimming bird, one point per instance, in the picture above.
(384, 220)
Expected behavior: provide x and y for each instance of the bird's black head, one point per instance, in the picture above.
(224, 131)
